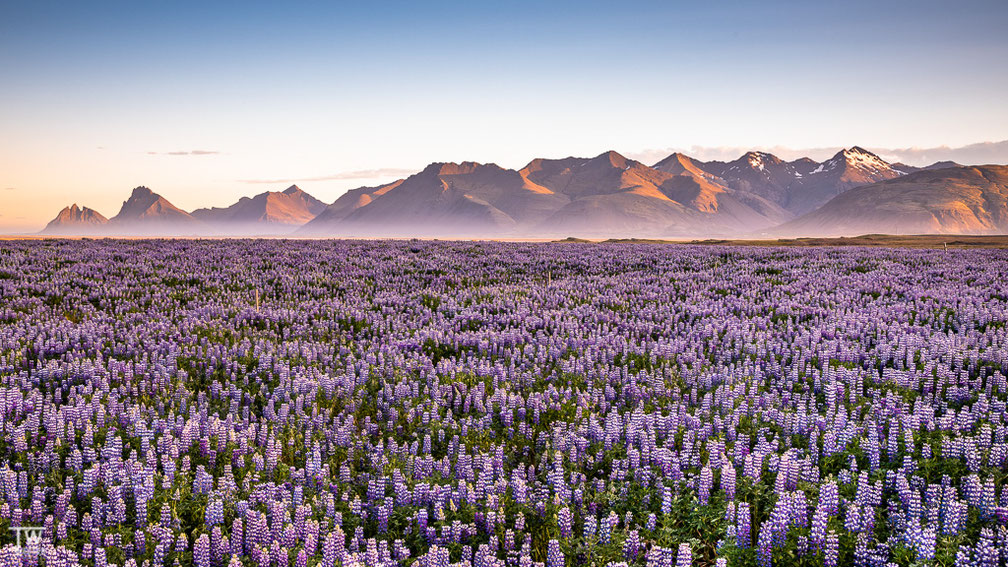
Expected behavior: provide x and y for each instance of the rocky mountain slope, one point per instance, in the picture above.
(146, 213)
(605, 195)
(275, 212)
(963, 200)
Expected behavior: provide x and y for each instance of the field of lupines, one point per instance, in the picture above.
(320, 403)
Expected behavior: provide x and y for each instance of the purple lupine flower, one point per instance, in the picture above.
(926, 544)
(666, 500)
(986, 553)
(742, 526)
(329, 557)
(631, 545)
(831, 549)
(564, 521)
(214, 513)
(764, 545)
(201, 551)
(685, 556)
(988, 499)
(606, 524)
(554, 556)
(963, 557)
(728, 480)
(817, 533)
(704, 485)
(384, 511)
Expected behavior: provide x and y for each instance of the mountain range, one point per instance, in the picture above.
(758, 194)
(265, 213)
(959, 200)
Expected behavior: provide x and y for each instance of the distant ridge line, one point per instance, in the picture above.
(757, 195)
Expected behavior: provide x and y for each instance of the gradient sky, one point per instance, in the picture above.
(205, 104)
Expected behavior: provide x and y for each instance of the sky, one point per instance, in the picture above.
(208, 103)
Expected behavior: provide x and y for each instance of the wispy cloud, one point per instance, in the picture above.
(973, 154)
(186, 153)
(8, 188)
(344, 175)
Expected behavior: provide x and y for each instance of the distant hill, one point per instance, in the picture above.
(904, 168)
(272, 212)
(957, 200)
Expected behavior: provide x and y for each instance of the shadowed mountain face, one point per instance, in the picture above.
(802, 185)
(608, 194)
(963, 200)
(601, 196)
(848, 168)
(443, 199)
(272, 212)
(74, 220)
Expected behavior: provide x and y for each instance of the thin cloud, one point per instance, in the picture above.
(973, 154)
(8, 188)
(186, 153)
(359, 174)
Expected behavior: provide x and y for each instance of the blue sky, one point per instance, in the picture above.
(202, 103)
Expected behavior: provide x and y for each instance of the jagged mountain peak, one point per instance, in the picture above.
(760, 160)
(460, 168)
(857, 150)
(74, 213)
(140, 199)
(263, 213)
(860, 157)
(75, 220)
(682, 164)
(614, 159)
(146, 212)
